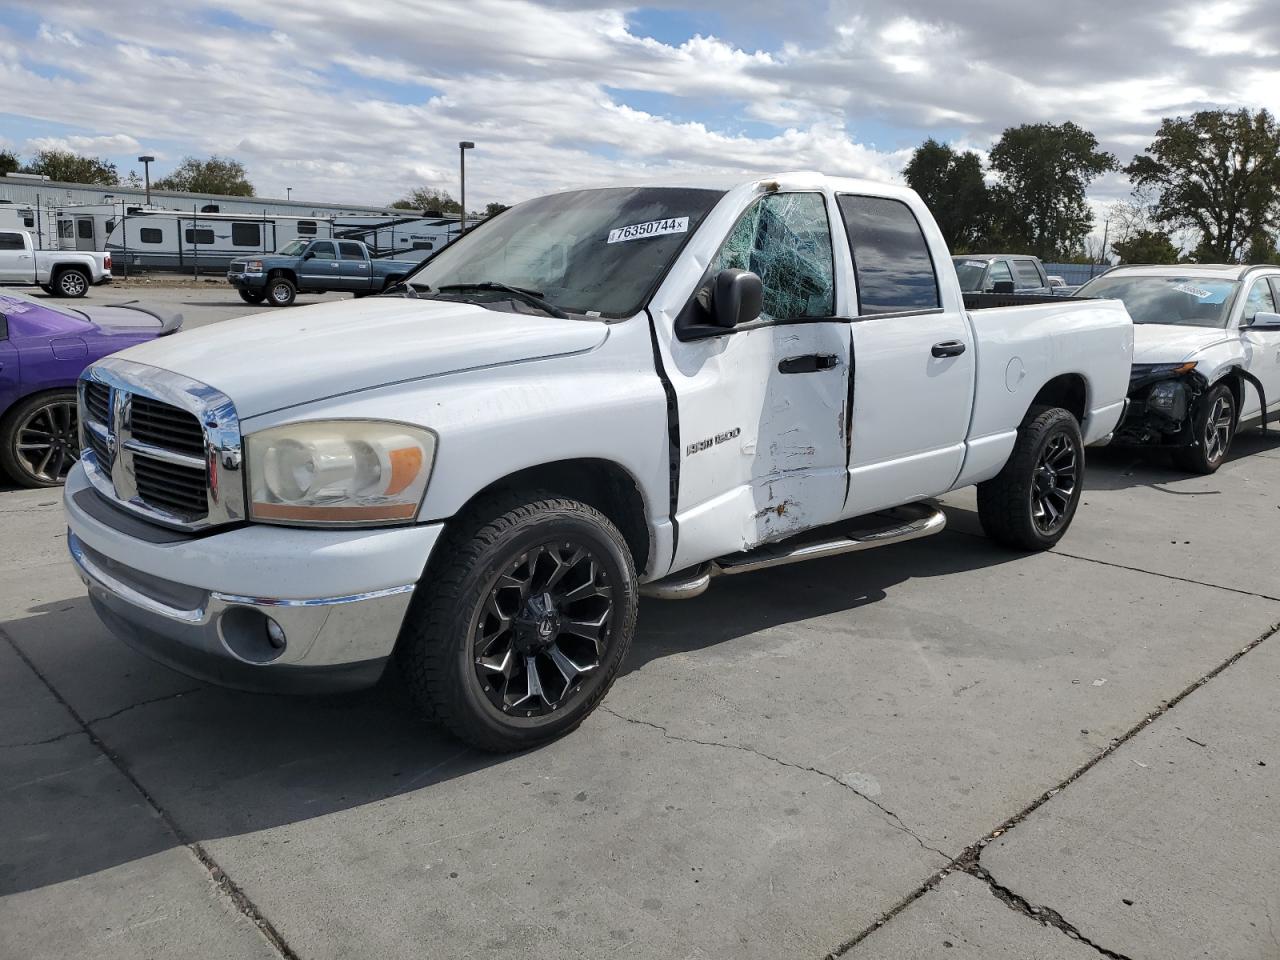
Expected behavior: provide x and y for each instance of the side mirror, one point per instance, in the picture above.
(1264, 320)
(737, 296)
(1002, 286)
(309, 255)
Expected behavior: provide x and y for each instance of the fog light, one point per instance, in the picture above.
(275, 633)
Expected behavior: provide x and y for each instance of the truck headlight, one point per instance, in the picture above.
(253, 266)
(1168, 397)
(349, 472)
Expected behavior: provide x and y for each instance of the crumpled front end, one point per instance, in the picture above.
(1161, 398)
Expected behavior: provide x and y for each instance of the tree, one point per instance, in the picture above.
(216, 175)
(493, 209)
(1262, 249)
(72, 168)
(1217, 172)
(429, 198)
(1147, 246)
(9, 162)
(1044, 170)
(952, 185)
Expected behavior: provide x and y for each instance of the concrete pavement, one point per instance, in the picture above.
(802, 762)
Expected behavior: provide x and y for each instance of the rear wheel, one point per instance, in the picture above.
(1030, 504)
(281, 291)
(71, 282)
(1213, 426)
(252, 296)
(515, 638)
(39, 439)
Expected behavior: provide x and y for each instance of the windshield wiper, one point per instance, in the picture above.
(402, 288)
(534, 297)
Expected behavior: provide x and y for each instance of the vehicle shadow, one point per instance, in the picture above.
(223, 763)
(1120, 468)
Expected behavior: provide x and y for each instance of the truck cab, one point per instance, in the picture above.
(472, 478)
(1002, 273)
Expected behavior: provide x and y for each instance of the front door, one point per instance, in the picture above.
(321, 269)
(762, 407)
(1262, 346)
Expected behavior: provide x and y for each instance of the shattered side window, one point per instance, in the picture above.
(785, 239)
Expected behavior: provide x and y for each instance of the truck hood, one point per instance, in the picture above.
(1170, 343)
(279, 359)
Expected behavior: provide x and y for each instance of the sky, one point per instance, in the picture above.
(364, 100)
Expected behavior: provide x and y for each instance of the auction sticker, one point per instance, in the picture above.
(1192, 290)
(654, 228)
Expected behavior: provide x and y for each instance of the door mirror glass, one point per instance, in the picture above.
(1002, 286)
(737, 296)
(1265, 320)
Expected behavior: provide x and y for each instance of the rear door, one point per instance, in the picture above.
(320, 268)
(1027, 277)
(17, 263)
(762, 406)
(353, 265)
(913, 357)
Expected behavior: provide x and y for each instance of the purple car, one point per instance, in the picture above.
(43, 348)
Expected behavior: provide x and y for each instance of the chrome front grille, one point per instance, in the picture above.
(161, 445)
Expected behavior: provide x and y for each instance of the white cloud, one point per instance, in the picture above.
(116, 143)
(562, 93)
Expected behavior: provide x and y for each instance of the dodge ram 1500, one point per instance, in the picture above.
(597, 395)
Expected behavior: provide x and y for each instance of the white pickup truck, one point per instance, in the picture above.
(595, 395)
(60, 273)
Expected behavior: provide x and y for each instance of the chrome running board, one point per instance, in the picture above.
(910, 522)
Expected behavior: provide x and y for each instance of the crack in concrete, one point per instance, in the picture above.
(897, 821)
(41, 743)
(143, 703)
(968, 858)
(1047, 916)
(217, 875)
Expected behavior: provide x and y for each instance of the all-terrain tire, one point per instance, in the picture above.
(437, 654)
(1207, 451)
(1010, 504)
(252, 296)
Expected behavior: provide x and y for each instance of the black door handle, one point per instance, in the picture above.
(948, 348)
(809, 363)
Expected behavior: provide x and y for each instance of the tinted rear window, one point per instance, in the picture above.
(890, 256)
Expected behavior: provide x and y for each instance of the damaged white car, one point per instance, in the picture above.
(1206, 359)
(594, 395)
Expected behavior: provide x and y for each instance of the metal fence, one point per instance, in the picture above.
(1075, 273)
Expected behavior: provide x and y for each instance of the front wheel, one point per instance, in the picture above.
(1030, 503)
(39, 439)
(1213, 427)
(252, 296)
(514, 638)
(281, 291)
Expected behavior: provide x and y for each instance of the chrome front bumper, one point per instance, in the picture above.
(316, 645)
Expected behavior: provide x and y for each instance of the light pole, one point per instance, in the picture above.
(463, 147)
(288, 193)
(146, 172)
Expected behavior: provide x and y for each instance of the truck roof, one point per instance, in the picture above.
(787, 180)
(993, 256)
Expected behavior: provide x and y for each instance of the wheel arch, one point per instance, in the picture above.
(1070, 391)
(285, 272)
(603, 484)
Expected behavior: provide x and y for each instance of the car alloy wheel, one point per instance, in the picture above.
(1054, 484)
(72, 284)
(1217, 428)
(48, 441)
(542, 629)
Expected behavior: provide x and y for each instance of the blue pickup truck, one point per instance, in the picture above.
(313, 266)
